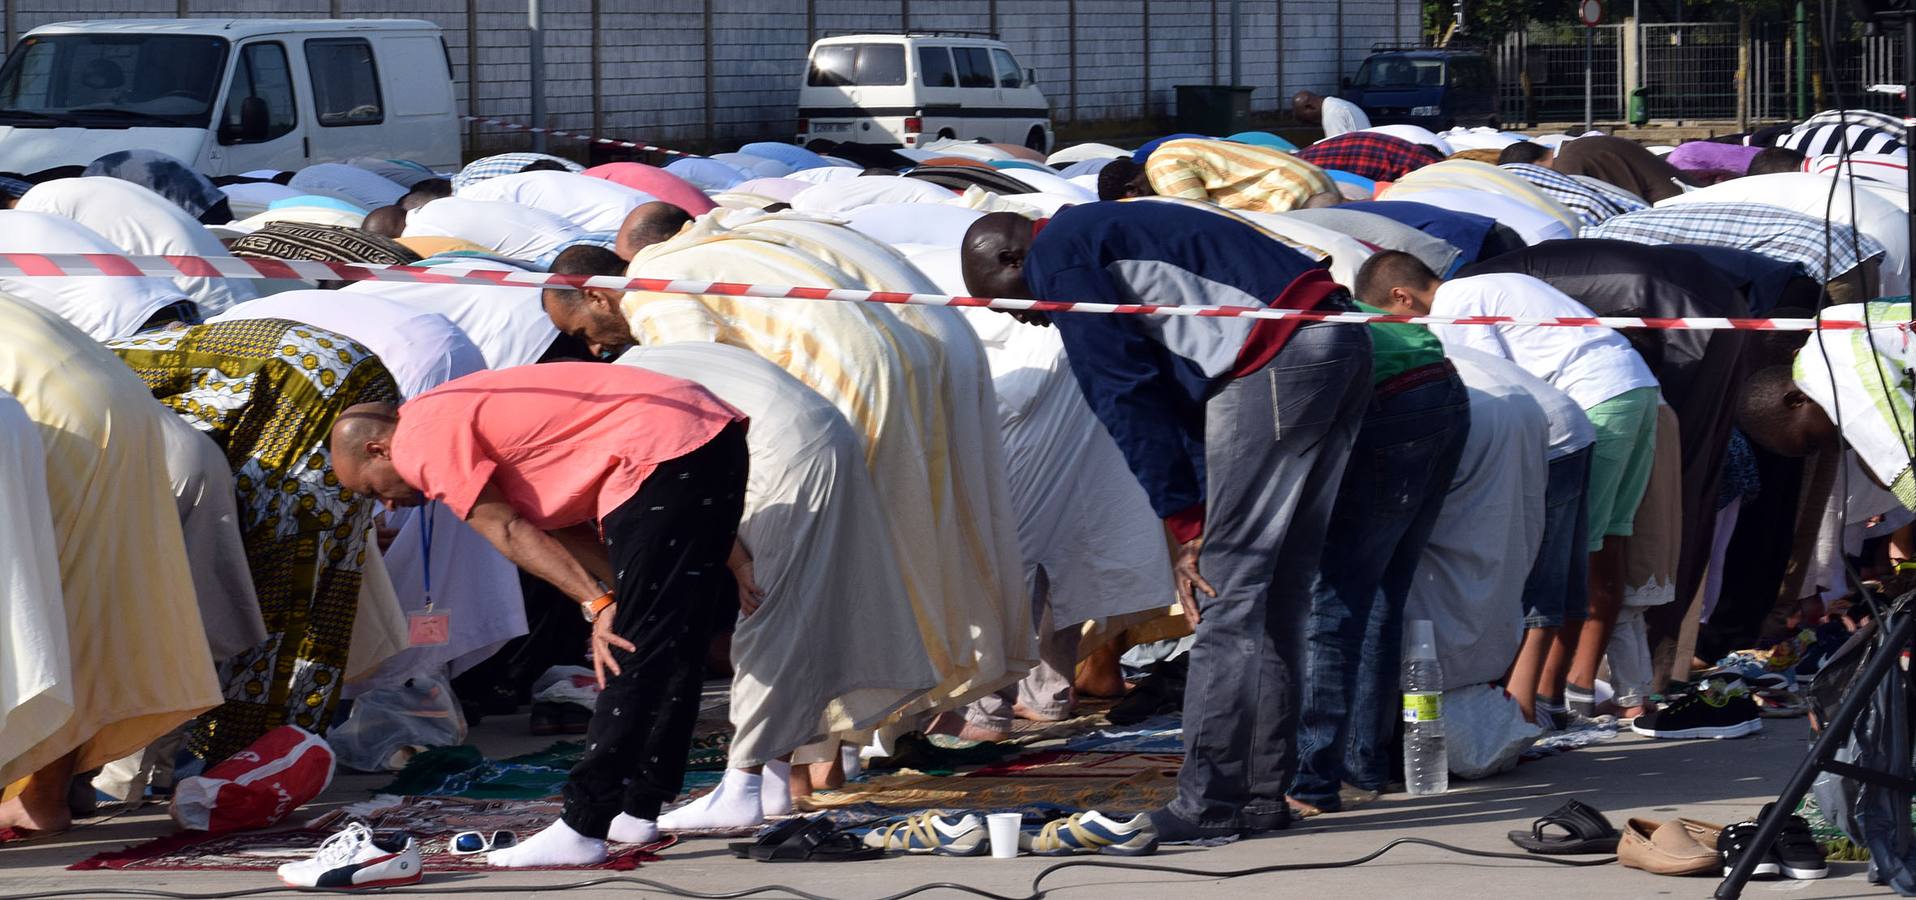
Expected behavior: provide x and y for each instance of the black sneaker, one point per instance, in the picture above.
(1733, 840)
(1710, 713)
(1797, 851)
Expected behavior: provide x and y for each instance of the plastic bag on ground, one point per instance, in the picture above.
(1485, 731)
(389, 725)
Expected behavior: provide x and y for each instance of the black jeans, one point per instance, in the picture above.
(668, 545)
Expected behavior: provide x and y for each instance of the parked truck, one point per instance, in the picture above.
(229, 95)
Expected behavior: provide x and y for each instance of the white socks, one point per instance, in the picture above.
(733, 804)
(775, 792)
(557, 845)
(628, 829)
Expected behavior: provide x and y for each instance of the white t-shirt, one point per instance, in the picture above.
(508, 229)
(1590, 364)
(1570, 429)
(593, 204)
(1341, 116)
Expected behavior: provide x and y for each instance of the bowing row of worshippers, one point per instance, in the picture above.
(1009, 544)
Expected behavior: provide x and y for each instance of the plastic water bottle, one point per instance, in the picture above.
(1426, 762)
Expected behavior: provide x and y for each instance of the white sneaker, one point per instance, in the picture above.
(354, 858)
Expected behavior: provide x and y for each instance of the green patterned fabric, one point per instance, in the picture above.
(267, 391)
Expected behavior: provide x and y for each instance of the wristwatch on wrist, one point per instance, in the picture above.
(592, 609)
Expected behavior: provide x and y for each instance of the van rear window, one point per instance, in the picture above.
(842, 65)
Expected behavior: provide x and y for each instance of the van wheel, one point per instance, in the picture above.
(1494, 123)
(1035, 140)
(946, 134)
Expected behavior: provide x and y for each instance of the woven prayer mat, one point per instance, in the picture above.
(1134, 784)
(1070, 765)
(1158, 734)
(433, 820)
(464, 772)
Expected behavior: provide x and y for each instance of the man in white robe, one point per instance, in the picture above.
(832, 647)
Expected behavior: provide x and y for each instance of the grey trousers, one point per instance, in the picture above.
(1046, 691)
(1275, 445)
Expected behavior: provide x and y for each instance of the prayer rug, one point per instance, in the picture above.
(464, 772)
(432, 820)
(1141, 789)
(1158, 734)
(1070, 765)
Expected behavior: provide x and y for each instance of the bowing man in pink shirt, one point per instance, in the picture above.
(623, 488)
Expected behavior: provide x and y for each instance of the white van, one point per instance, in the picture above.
(912, 89)
(229, 95)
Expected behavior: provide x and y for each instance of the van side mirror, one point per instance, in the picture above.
(1344, 82)
(253, 126)
(1031, 77)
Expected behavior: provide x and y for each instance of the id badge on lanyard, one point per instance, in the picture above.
(427, 628)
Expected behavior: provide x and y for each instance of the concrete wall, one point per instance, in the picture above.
(657, 81)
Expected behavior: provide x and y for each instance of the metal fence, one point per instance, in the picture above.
(1540, 76)
(1688, 71)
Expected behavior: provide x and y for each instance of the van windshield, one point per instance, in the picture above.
(112, 79)
(845, 65)
(1396, 72)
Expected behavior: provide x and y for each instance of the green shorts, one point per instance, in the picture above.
(1620, 462)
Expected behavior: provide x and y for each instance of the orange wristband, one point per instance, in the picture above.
(597, 605)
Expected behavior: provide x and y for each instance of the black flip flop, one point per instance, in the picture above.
(818, 840)
(772, 837)
(1585, 830)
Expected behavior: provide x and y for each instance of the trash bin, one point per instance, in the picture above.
(1640, 107)
(1213, 109)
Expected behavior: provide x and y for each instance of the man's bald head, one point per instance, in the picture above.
(361, 444)
(647, 224)
(386, 221)
(1308, 107)
(993, 256)
(1324, 200)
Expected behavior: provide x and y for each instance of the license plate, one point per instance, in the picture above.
(829, 127)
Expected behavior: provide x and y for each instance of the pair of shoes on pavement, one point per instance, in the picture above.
(1089, 832)
(355, 858)
(1795, 854)
(1689, 847)
(1719, 708)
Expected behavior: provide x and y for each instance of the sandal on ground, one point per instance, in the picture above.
(770, 838)
(814, 840)
(1585, 830)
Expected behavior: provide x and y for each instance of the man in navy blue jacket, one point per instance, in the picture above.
(1238, 429)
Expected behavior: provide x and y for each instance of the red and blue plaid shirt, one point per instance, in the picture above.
(1379, 157)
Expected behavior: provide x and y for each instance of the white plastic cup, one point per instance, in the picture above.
(1003, 828)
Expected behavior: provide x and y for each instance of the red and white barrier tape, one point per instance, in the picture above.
(35, 265)
(590, 139)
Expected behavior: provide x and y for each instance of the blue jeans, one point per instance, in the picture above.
(1400, 470)
(1275, 445)
(1558, 589)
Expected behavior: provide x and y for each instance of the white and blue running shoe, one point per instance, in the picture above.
(1091, 832)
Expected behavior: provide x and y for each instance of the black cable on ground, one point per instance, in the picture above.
(1038, 890)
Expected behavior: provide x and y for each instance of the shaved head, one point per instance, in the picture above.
(1308, 107)
(591, 315)
(386, 221)
(647, 224)
(361, 443)
(993, 258)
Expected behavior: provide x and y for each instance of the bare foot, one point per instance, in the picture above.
(801, 782)
(1099, 675)
(825, 776)
(1030, 715)
(952, 723)
(41, 819)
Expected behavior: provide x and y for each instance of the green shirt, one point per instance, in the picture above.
(1396, 348)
